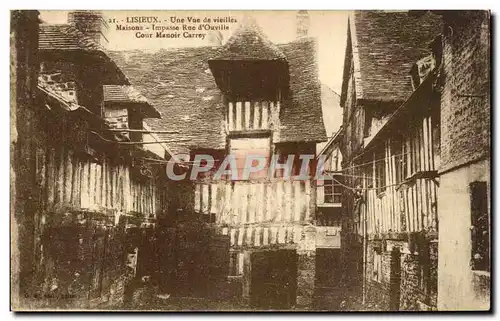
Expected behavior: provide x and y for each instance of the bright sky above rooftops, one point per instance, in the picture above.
(328, 27)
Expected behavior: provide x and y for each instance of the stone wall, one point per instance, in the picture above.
(465, 101)
(418, 276)
(419, 279)
(306, 276)
(465, 152)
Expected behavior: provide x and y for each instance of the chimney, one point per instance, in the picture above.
(215, 38)
(302, 24)
(91, 23)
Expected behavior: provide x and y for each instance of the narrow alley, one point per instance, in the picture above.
(306, 161)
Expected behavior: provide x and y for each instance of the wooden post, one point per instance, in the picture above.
(51, 178)
(238, 115)
(265, 115)
(76, 186)
(288, 199)
(247, 115)
(426, 144)
(256, 117)
(230, 116)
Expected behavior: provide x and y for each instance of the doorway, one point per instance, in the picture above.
(273, 283)
(395, 279)
(328, 271)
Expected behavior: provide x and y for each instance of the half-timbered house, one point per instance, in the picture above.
(246, 97)
(84, 183)
(391, 154)
(329, 189)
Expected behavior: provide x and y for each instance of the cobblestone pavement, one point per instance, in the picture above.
(150, 299)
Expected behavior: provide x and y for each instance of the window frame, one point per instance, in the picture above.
(263, 174)
(333, 184)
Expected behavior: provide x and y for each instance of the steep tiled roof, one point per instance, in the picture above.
(64, 37)
(406, 112)
(180, 84)
(386, 45)
(116, 93)
(302, 118)
(249, 43)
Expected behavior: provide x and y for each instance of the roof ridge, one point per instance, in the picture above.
(250, 34)
(83, 40)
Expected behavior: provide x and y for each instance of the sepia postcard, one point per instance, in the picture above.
(250, 160)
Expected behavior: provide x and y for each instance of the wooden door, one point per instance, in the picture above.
(395, 279)
(273, 279)
(329, 294)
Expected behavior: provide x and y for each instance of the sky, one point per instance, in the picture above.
(328, 27)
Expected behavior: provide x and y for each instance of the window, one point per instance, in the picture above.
(258, 148)
(236, 262)
(480, 231)
(336, 160)
(332, 192)
(377, 266)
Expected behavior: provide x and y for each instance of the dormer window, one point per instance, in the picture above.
(252, 73)
(125, 107)
(421, 69)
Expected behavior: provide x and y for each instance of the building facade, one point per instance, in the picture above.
(391, 154)
(81, 187)
(248, 97)
(465, 184)
(411, 183)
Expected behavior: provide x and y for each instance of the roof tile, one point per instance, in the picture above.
(249, 43)
(128, 94)
(64, 37)
(389, 43)
(179, 82)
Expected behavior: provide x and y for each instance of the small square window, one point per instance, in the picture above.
(332, 191)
